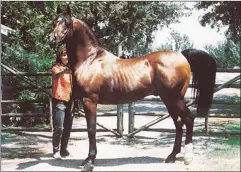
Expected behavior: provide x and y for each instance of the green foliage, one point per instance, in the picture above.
(127, 20)
(112, 22)
(26, 95)
(226, 54)
(223, 13)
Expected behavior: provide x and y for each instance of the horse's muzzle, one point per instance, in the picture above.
(52, 40)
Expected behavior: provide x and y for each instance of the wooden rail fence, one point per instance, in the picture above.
(119, 130)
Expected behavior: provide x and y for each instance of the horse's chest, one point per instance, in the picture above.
(89, 77)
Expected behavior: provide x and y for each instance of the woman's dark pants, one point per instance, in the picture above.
(62, 124)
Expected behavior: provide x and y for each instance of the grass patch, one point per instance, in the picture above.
(233, 126)
(233, 141)
(229, 146)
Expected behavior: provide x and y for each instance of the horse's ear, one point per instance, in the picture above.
(68, 10)
(59, 10)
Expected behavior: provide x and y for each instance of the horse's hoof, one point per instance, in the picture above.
(87, 168)
(88, 165)
(87, 161)
(187, 160)
(170, 159)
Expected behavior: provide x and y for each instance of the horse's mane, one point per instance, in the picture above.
(89, 33)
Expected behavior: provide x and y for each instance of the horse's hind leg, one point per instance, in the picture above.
(188, 120)
(181, 115)
(173, 111)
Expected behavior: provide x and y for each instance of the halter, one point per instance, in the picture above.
(69, 24)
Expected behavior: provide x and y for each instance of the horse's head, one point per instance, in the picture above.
(79, 39)
(61, 26)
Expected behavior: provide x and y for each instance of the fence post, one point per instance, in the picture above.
(131, 112)
(50, 114)
(120, 128)
(206, 124)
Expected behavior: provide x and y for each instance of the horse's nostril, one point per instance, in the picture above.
(52, 38)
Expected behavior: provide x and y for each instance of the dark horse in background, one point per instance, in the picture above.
(100, 77)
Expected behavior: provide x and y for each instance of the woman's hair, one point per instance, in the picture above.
(59, 54)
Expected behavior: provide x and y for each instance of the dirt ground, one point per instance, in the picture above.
(145, 152)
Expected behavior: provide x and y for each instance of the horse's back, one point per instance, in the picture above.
(167, 59)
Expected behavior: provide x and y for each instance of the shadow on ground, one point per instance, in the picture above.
(75, 163)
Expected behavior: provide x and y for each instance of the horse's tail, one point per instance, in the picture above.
(203, 68)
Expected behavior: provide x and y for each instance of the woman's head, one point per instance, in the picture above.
(62, 56)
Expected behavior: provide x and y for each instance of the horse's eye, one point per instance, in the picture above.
(60, 20)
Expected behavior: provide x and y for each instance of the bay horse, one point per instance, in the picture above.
(99, 77)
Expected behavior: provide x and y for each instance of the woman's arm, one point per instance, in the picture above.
(56, 72)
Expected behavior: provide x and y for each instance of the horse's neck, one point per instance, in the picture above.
(86, 48)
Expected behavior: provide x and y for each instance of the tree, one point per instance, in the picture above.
(30, 45)
(177, 42)
(112, 21)
(223, 13)
(132, 21)
(226, 54)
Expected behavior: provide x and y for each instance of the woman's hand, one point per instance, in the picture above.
(67, 71)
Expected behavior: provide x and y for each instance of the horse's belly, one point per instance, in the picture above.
(122, 97)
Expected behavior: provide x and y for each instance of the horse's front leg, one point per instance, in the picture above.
(90, 115)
